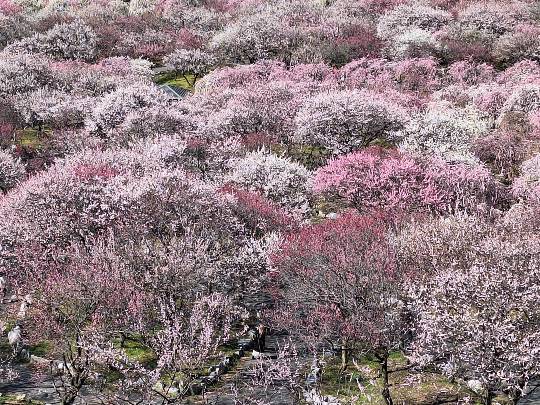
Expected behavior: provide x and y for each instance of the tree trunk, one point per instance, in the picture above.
(489, 397)
(69, 400)
(384, 373)
(344, 357)
(70, 396)
(261, 338)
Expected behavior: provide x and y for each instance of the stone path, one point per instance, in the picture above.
(220, 394)
(533, 397)
(40, 390)
(277, 395)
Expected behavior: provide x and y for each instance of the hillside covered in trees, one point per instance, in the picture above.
(265, 202)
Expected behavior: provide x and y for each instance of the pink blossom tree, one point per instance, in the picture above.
(259, 214)
(83, 299)
(376, 178)
(187, 273)
(337, 281)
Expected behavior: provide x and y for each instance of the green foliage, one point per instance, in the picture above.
(176, 80)
(310, 156)
(136, 351)
(14, 399)
(406, 386)
(42, 349)
(29, 138)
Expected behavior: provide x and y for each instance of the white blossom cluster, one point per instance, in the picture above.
(448, 133)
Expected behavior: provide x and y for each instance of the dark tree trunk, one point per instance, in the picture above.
(261, 338)
(384, 374)
(489, 397)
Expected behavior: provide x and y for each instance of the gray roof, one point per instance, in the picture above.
(175, 92)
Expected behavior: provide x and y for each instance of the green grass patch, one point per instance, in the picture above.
(14, 399)
(176, 80)
(29, 138)
(42, 349)
(345, 385)
(136, 351)
(363, 384)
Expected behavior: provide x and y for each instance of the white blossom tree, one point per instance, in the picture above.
(405, 17)
(527, 185)
(21, 73)
(55, 108)
(113, 108)
(194, 62)
(277, 178)
(482, 323)
(343, 121)
(448, 133)
(74, 40)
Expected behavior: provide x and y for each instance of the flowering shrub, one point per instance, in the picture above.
(270, 110)
(427, 246)
(525, 98)
(347, 120)
(20, 73)
(527, 185)
(133, 220)
(465, 72)
(481, 323)
(256, 37)
(11, 171)
(74, 40)
(375, 179)
(447, 133)
(52, 107)
(504, 152)
(491, 19)
(522, 43)
(338, 282)
(113, 108)
(406, 17)
(259, 214)
(195, 61)
(278, 179)
(11, 29)
(414, 43)
(7, 7)
(417, 75)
